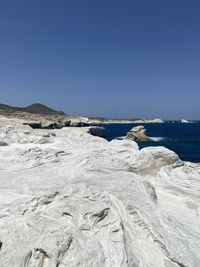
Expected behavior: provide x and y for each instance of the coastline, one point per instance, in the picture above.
(118, 121)
(74, 194)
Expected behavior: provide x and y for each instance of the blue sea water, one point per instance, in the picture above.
(182, 138)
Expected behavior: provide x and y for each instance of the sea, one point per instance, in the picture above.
(182, 138)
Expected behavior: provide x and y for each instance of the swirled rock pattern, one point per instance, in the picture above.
(71, 199)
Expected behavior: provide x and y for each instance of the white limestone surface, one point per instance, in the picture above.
(71, 199)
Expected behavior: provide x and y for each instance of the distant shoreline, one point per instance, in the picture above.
(39, 113)
(119, 121)
(116, 121)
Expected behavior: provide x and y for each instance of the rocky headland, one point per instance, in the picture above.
(40, 116)
(72, 199)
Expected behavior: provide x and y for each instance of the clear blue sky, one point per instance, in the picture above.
(107, 58)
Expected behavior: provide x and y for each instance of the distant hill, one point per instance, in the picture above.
(35, 108)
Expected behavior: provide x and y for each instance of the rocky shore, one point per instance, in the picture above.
(41, 116)
(72, 199)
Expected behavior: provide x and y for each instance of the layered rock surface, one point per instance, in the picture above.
(71, 199)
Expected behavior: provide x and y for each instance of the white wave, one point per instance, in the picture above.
(157, 139)
(120, 137)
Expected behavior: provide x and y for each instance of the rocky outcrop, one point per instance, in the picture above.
(138, 133)
(46, 124)
(68, 198)
(37, 116)
(2, 143)
(97, 131)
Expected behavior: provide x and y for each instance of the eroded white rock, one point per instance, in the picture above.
(71, 199)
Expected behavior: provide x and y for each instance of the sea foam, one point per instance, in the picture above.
(157, 139)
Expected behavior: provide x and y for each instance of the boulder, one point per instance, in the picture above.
(138, 133)
(33, 125)
(2, 143)
(97, 131)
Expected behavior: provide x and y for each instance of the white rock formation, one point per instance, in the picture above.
(71, 199)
